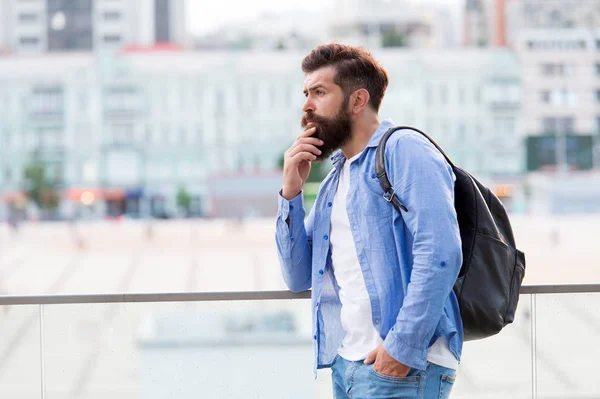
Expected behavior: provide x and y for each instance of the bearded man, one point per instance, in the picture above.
(385, 317)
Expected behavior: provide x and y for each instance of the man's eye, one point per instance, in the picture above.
(319, 92)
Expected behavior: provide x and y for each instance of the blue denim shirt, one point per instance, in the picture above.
(410, 260)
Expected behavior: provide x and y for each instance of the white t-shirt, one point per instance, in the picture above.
(356, 316)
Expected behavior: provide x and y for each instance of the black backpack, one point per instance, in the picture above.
(493, 269)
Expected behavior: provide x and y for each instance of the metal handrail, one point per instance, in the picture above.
(235, 295)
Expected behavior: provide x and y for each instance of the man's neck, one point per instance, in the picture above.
(361, 134)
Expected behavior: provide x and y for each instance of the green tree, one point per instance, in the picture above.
(39, 188)
(280, 46)
(393, 39)
(184, 200)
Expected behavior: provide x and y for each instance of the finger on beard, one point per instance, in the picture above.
(309, 148)
(309, 132)
(304, 156)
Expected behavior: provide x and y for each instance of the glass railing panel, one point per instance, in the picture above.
(20, 354)
(499, 367)
(230, 349)
(568, 352)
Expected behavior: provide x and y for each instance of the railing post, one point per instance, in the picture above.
(533, 348)
(42, 357)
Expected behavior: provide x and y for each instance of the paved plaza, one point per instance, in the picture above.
(92, 351)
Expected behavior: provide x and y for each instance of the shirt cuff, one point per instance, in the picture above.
(287, 207)
(403, 353)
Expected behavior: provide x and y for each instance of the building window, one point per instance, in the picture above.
(559, 97)
(112, 39)
(219, 102)
(122, 98)
(200, 135)
(477, 95)
(443, 95)
(28, 17)
(598, 96)
(111, 15)
(545, 96)
(200, 96)
(428, 94)
(547, 69)
(47, 100)
(29, 40)
(77, 33)
(7, 142)
(273, 95)
(461, 131)
(162, 21)
(461, 95)
(558, 69)
(558, 125)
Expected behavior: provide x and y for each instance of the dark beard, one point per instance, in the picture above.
(335, 132)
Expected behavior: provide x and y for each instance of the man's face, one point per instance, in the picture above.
(326, 108)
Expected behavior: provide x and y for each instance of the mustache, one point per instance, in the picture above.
(310, 118)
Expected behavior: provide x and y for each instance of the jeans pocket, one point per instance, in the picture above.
(446, 384)
(412, 376)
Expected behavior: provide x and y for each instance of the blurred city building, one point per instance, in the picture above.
(561, 107)
(370, 23)
(290, 30)
(39, 26)
(126, 131)
(499, 22)
(392, 23)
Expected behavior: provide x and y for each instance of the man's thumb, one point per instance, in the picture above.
(371, 357)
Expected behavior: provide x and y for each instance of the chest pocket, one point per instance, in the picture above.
(373, 204)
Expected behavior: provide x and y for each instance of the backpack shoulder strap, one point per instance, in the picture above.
(380, 171)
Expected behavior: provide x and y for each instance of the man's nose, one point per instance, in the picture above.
(308, 106)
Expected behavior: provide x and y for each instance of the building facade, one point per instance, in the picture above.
(130, 129)
(38, 26)
(561, 107)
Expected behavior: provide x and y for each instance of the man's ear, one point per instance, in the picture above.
(359, 100)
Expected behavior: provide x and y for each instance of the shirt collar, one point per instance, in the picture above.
(384, 126)
(338, 159)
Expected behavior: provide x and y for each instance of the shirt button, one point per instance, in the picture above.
(442, 263)
(314, 337)
(329, 204)
(321, 272)
(373, 175)
(292, 238)
(325, 237)
(376, 322)
(291, 207)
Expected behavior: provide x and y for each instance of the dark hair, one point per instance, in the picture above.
(355, 69)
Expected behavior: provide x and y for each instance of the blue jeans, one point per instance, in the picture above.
(356, 380)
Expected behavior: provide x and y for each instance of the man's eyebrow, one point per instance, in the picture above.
(315, 87)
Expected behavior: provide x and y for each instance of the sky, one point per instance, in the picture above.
(204, 16)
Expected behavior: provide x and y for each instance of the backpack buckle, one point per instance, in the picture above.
(389, 197)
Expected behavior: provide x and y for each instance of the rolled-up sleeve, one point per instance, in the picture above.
(424, 183)
(294, 243)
